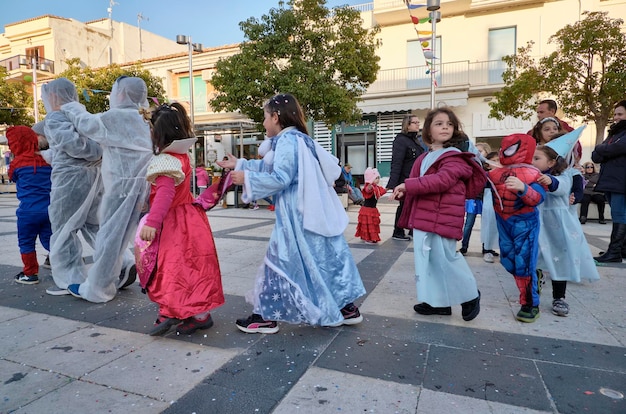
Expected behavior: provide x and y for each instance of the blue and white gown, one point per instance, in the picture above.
(308, 273)
(563, 250)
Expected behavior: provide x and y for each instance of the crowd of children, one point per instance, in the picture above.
(96, 178)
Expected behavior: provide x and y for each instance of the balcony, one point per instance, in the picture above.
(478, 76)
(19, 66)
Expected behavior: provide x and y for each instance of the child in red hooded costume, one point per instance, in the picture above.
(31, 175)
(518, 195)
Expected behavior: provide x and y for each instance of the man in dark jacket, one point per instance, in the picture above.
(406, 148)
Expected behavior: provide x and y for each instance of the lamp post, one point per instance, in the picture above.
(197, 47)
(432, 6)
(35, 66)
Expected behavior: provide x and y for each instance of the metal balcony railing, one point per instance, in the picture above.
(25, 62)
(460, 74)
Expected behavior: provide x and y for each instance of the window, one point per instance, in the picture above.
(417, 76)
(199, 92)
(502, 42)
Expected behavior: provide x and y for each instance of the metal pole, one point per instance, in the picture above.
(35, 89)
(432, 6)
(433, 47)
(192, 117)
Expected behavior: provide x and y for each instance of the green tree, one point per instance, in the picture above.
(96, 83)
(325, 58)
(15, 102)
(586, 74)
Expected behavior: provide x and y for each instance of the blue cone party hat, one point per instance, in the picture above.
(564, 144)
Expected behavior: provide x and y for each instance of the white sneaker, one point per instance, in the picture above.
(57, 291)
(488, 257)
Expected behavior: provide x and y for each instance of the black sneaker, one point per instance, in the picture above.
(401, 237)
(351, 315)
(528, 314)
(463, 251)
(26, 280)
(46, 263)
(190, 325)
(162, 325)
(425, 309)
(471, 309)
(256, 324)
(127, 277)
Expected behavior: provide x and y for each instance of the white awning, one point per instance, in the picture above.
(410, 103)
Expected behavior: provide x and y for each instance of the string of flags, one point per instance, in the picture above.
(422, 37)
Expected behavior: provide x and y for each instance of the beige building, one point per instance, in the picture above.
(472, 36)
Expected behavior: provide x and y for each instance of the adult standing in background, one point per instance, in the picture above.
(547, 109)
(611, 154)
(406, 148)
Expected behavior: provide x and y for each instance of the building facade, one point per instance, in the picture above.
(472, 37)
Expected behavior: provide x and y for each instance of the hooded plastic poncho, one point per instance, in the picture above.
(76, 186)
(127, 149)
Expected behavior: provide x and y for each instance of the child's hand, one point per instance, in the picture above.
(514, 184)
(147, 233)
(399, 191)
(231, 163)
(238, 177)
(572, 199)
(545, 180)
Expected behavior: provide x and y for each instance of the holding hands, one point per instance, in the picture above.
(238, 177)
(545, 180)
(514, 184)
(399, 191)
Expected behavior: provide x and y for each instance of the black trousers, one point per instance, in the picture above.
(596, 198)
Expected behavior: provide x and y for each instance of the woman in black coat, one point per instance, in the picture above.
(406, 148)
(611, 154)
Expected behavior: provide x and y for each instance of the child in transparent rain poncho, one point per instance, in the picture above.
(76, 187)
(124, 135)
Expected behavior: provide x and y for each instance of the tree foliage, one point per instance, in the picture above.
(586, 74)
(325, 58)
(96, 83)
(15, 101)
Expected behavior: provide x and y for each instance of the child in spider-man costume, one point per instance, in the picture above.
(517, 216)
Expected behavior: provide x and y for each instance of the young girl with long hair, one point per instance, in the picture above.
(186, 282)
(308, 274)
(435, 193)
(563, 250)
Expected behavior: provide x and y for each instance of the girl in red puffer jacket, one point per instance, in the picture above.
(435, 193)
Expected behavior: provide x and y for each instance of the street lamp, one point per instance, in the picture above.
(432, 6)
(193, 47)
(197, 47)
(34, 63)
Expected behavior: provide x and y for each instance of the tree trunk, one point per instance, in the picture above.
(600, 128)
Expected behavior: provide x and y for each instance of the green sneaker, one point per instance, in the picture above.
(540, 281)
(528, 314)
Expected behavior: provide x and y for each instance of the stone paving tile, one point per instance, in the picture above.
(168, 369)
(326, 391)
(22, 384)
(431, 402)
(569, 362)
(80, 397)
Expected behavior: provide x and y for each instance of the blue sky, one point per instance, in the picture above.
(210, 22)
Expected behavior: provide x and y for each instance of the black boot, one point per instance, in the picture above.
(614, 253)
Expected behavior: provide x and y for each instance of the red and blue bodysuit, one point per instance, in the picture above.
(517, 214)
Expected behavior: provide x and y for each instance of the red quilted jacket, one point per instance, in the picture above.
(435, 202)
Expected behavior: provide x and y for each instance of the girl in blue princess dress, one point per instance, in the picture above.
(308, 274)
(563, 250)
